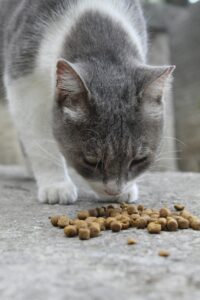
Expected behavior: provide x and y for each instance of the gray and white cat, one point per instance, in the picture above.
(75, 72)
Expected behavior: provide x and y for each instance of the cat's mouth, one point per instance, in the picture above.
(112, 193)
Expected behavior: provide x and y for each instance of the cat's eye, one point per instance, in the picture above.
(91, 161)
(136, 162)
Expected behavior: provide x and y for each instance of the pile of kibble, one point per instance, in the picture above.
(90, 223)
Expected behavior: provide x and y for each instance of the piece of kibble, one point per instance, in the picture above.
(125, 225)
(131, 241)
(82, 215)
(94, 230)
(172, 224)
(101, 212)
(147, 211)
(164, 212)
(81, 224)
(93, 212)
(72, 222)
(179, 207)
(142, 223)
(140, 207)
(132, 209)
(54, 220)
(123, 205)
(71, 231)
(154, 228)
(84, 233)
(108, 222)
(116, 226)
(182, 223)
(63, 221)
(164, 253)
(186, 214)
(162, 222)
(195, 223)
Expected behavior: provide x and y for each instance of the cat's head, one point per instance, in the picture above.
(108, 120)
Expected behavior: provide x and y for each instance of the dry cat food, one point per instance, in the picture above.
(90, 223)
(164, 253)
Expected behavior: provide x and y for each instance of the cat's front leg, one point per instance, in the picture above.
(31, 107)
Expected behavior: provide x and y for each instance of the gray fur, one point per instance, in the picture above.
(116, 129)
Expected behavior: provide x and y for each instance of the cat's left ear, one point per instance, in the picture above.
(154, 80)
(69, 79)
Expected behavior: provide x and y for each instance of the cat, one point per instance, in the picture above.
(81, 93)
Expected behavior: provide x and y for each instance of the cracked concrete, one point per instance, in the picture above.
(38, 262)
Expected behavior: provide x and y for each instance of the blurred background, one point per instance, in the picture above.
(174, 38)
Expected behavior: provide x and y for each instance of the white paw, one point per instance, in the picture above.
(131, 196)
(61, 192)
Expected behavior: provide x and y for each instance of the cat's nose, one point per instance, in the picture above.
(111, 193)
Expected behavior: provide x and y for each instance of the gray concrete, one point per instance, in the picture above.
(38, 262)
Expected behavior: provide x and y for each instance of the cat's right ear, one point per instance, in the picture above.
(72, 91)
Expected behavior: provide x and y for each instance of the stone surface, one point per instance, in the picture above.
(38, 262)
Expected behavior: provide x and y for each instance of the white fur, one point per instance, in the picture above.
(31, 101)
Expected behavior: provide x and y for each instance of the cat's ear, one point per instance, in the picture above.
(154, 80)
(72, 92)
(69, 79)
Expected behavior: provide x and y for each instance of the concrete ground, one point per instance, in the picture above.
(38, 262)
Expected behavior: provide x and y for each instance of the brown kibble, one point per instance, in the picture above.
(83, 215)
(54, 220)
(182, 223)
(164, 253)
(116, 226)
(172, 224)
(93, 212)
(179, 207)
(132, 209)
(108, 222)
(72, 222)
(195, 223)
(124, 205)
(154, 228)
(125, 225)
(142, 223)
(94, 230)
(186, 214)
(101, 212)
(71, 231)
(84, 233)
(131, 241)
(164, 212)
(147, 211)
(81, 224)
(155, 215)
(140, 207)
(63, 221)
(163, 223)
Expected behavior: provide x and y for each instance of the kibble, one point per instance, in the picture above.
(172, 224)
(63, 221)
(84, 233)
(90, 223)
(154, 228)
(54, 220)
(179, 207)
(164, 253)
(164, 212)
(83, 215)
(94, 230)
(131, 241)
(195, 223)
(116, 226)
(71, 231)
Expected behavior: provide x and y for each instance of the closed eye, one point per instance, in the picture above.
(92, 163)
(136, 162)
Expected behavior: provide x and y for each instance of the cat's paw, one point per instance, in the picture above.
(61, 192)
(131, 196)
